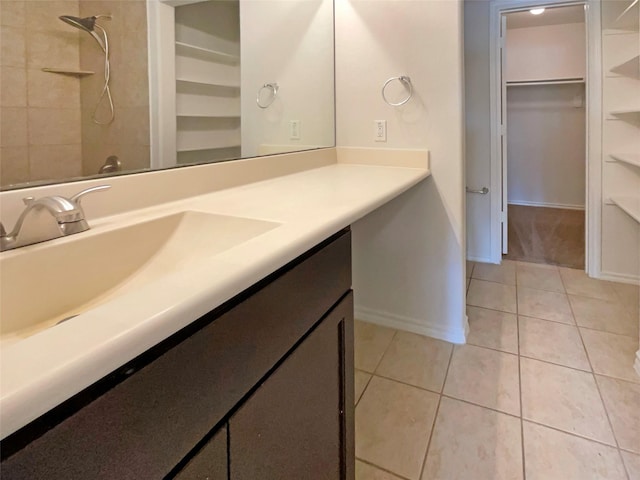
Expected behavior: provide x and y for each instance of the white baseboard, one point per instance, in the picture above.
(525, 203)
(429, 329)
(636, 364)
(619, 277)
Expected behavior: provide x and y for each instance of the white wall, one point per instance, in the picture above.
(546, 146)
(409, 255)
(552, 51)
(278, 37)
(477, 128)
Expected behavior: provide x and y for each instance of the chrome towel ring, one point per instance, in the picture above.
(273, 87)
(406, 81)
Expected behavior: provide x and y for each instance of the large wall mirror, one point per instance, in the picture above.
(104, 87)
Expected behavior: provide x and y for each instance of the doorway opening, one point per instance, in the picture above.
(543, 74)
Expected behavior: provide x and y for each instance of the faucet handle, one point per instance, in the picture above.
(78, 196)
(28, 200)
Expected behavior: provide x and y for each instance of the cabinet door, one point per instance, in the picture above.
(296, 425)
(210, 463)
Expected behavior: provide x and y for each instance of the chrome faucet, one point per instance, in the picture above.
(64, 216)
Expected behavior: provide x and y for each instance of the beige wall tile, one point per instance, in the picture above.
(55, 162)
(603, 315)
(473, 442)
(492, 295)
(632, 462)
(13, 126)
(503, 273)
(577, 282)
(43, 15)
(552, 342)
(417, 360)
(393, 423)
(365, 471)
(492, 329)
(54, 126)
(563, 398)
(52, 90)
(14, 165)
(622, 400)
(484, 377)
(611, 354)
(544, 304)
(13, 87)
(53, 50)
(371, 341)
(550, 454)
(541, 277)
(360, 383)
(12, 13)
(12, 46)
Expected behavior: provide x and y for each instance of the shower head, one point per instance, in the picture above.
(87, 24)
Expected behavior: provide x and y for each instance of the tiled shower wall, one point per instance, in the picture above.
(40, 134)
(128, 136)
(46, 127)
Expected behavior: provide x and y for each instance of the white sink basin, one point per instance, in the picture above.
(45, 284)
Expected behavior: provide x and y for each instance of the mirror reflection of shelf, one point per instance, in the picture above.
(187, 49)
(630, 68)
(549, 81)
(628, 158)
(629, 205)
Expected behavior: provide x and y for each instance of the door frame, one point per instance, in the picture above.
(593, 180)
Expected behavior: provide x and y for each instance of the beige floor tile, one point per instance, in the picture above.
(492, 295)
(492, 329)
(360, 383)
(563, 398)
(553, 455)
(364, 471)
(393, 424)
(484, 377)
(611, 354)
(503, 273)
(622, 400)
(603, 315)
(544, 304)
(473, 442)
(417, 360)
(577, 282)
(371, 341)
(541, 277)
(632, 462)
(552, 342)
(629, 296)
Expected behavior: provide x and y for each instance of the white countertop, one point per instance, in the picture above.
(49, 367)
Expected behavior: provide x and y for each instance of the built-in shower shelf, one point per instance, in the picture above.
(630, 158)
(629, 205)
(187, 49)
(210, 84)
(63, 71)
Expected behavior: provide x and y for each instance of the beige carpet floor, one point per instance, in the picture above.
(546, 235)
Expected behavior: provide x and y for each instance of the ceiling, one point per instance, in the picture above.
(551, 16)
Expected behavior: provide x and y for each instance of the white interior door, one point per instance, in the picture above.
(503, 129)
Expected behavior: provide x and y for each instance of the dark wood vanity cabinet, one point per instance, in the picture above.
(260, 388)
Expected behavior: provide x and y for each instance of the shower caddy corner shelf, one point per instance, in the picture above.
(63, 71)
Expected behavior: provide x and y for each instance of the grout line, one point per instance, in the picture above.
(522, 452)
(380, 468)
(605, 331)
(468, 402)
(604, 405)
(393, 337)
(364, 389)
(599, 442)
(528, 357)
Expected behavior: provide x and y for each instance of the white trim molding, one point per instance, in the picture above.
(421, 327)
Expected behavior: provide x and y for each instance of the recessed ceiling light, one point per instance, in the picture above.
(536, 11)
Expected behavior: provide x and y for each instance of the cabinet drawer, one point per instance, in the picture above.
(145, 425)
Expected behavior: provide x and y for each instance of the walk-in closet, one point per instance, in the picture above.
(545, 74)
